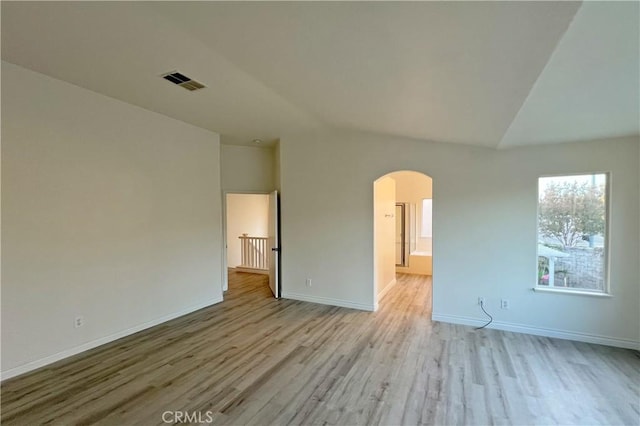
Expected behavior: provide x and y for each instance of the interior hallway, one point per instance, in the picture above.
(256, 360)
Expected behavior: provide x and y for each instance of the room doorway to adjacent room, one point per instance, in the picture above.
(403, 231)
(251, 237)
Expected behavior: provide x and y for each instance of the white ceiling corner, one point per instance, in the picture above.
(590, 88)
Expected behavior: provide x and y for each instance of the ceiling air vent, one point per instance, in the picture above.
(183, 81)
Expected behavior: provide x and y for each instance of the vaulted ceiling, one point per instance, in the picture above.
(495, 74)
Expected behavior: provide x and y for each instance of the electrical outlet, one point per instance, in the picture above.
(504, 304)
(481, 301)
(79, 321)
(308, 282)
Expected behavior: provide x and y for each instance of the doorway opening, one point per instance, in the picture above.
(251, 238)
(403, 231)
(402, 234)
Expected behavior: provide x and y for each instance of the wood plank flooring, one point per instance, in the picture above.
(256, 360)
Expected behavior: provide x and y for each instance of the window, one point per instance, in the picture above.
(572, 232)
(426, 228)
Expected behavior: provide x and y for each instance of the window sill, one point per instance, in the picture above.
(577, 292)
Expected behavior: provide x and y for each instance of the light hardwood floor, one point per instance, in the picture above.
(256, 360)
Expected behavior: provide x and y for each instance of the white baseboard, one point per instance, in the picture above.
(327, 301)
(537, 331)
(33, 365)
(386, 289)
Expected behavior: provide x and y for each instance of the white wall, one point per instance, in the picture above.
(276, 166)
(485, 228)
(247, 169)
(384, 196)
(246, 213)
(109, 211)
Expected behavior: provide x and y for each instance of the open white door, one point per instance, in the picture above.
(274, 244)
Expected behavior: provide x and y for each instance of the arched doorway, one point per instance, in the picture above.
(403, 232)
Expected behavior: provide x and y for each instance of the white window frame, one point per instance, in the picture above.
(422, 227)
(606, 291)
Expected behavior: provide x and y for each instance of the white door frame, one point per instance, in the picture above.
(225, 274)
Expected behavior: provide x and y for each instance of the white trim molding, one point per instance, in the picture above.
(39, 363)
(561, 290)
(386, 289)
(328, 301)
(537, 331)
